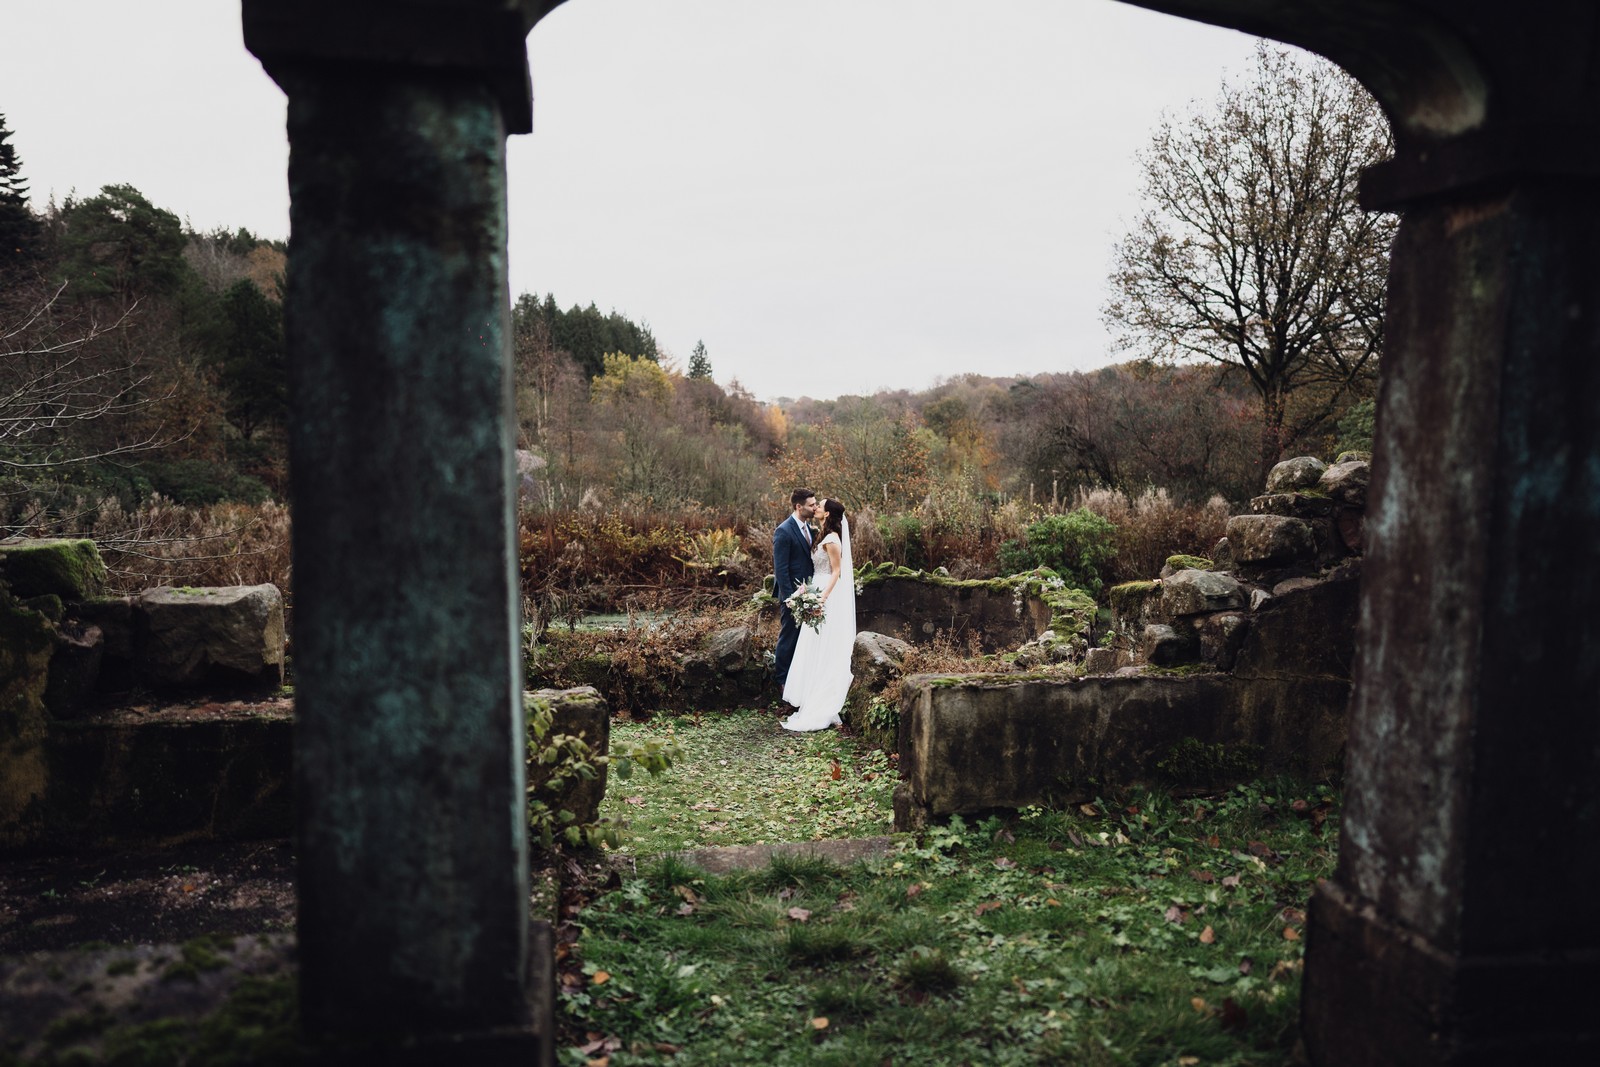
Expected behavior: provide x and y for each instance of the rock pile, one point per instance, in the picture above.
(1305, 530)
(227, 640)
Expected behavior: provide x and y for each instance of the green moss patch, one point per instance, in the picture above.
(1182, 562)
(69, 568)
(1127, 597)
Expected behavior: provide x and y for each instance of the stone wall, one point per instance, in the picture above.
(1207, 677)
(74, 769)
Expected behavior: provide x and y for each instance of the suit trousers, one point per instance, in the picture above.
(788, 637)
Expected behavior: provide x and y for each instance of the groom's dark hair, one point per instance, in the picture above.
(800, 496)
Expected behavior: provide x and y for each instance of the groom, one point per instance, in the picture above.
(791, 565)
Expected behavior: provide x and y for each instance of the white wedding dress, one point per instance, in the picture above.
(819, 675)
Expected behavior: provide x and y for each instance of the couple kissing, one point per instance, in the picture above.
(814, 581)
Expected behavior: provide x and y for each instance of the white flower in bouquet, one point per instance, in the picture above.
(805, 603)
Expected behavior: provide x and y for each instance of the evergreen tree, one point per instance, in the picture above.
(699, 363)
(253, 366)
(19, 230)
(119, 244)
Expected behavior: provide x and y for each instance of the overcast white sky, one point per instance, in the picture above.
(836, 197)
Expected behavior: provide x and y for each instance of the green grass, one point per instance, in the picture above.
(1154, 933)
(743, 781)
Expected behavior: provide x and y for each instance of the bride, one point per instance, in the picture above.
(820, 675)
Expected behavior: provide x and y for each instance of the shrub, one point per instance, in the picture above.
(1152, 526)
(558, 761)
(1077, 546)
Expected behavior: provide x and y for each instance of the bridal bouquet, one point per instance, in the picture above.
(806, 605)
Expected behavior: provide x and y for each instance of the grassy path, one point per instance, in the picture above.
(744, 781)
(1146, 931)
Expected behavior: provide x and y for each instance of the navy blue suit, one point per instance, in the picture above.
(791, 565)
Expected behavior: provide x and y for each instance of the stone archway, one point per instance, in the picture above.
(1474, 770)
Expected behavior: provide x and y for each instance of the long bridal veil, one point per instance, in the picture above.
(819, 679)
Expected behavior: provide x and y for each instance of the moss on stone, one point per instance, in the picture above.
(1126, 598)
(1182, 562)
(70, 568)
(48, 604)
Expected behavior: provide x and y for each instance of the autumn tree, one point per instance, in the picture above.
(861, 455)
(1252, 251)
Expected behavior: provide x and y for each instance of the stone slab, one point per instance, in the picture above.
(212, 772)
(843, 851)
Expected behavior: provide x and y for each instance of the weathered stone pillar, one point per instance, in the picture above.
(1452, 932)
(409, 730)
(1472, 821)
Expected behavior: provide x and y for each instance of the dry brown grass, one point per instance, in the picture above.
(1152, 526)
(160, 543)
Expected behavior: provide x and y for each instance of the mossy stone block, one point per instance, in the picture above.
(70, 568)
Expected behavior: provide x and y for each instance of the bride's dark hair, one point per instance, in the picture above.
(834, 522)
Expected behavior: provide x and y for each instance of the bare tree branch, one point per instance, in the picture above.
(1252, 251)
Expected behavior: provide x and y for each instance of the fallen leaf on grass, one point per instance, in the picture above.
(667, 1049)
(685, 909)
(914, 889)
(1291, 934)
(1004, 864)
(1214, 841)
(600, 978)
(1074, 838)
(819, 1023)
(1207, 936)
(799, 915)
(1202, 876)
(1005, 836)
(686, 893)
(1293, 915)
(1245, 964)
(786, 893)
(986, 906)
(633, 800)
(1199, 1004)
(1231, 881)
(1176, 914)
(1188, 1061)
(1053, 902)
(835, 771)
(1088, 809)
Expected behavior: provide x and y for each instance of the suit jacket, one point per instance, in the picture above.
(791, 558)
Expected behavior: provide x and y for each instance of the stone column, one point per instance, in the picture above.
(1472, 824)
(412, 846)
